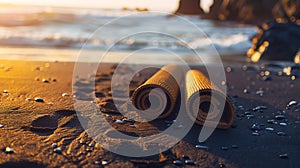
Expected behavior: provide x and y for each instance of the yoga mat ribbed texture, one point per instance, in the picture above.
(164, 80)
(199, 99)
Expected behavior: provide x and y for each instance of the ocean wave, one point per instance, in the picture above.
(71, 28)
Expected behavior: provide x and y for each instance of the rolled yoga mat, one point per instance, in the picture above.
(166, 101)
(199, 100)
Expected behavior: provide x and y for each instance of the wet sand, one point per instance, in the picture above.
(48, 133)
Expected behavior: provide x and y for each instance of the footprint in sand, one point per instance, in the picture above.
(47, 124)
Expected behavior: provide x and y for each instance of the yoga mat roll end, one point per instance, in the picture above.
(205, 108)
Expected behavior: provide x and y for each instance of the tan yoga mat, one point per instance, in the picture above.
(164, 101)
(199, 100)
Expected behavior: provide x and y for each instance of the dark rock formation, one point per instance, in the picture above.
(189, 7)
(254, 11)
(246, 11)
(276, 41)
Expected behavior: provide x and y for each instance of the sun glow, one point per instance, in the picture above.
(166, 5)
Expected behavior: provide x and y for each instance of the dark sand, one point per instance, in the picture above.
(30, 127)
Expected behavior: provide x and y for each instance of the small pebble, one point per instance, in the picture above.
(283, 124)
(255, 134)
(45, 80)
(259, 108)
(245, 91)
(177, 162)
(281, 133)
(5, 91)
(271, 121)
(255, 127)
(284, 156)
(9, 150)
(269, 129)
(97, 162)
(292, 103)
(104, 162)
(38, 99)
(89, 149)
(228, 69)
(119, 121)
(28, 99)
(91, 145)
(54, 145)
(279, 117)
(1, 126)
(224, 148)
(57, 150)
(65, 95)
(234, 146)
(202, 147)
(247, 113)
(189, 162)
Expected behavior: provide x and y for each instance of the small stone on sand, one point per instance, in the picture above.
(292, 103)
(119, 121)
(45, 80)
(58, 150)
(38, 99)
(279, 117)
(1, 126)
(269, 129)
(9, 150)
(104, 162)
(54, 145)
(281, 133)
(234, 146)
(259, 108)
(202, 147)
(189, 162)
(65, 95)
(177, 162)
(283, 124)
(284, 156)
(225, 148)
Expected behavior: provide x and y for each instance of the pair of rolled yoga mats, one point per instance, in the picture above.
(198, 96)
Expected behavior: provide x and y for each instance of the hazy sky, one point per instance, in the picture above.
(164, 5)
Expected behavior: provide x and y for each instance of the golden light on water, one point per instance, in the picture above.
(255, 57)
(250, 52)
(297, 58)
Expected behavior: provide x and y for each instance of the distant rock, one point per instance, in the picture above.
(275, 41)
(254, 11)
(189, 7)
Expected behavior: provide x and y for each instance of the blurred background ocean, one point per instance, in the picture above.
(58, 33)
